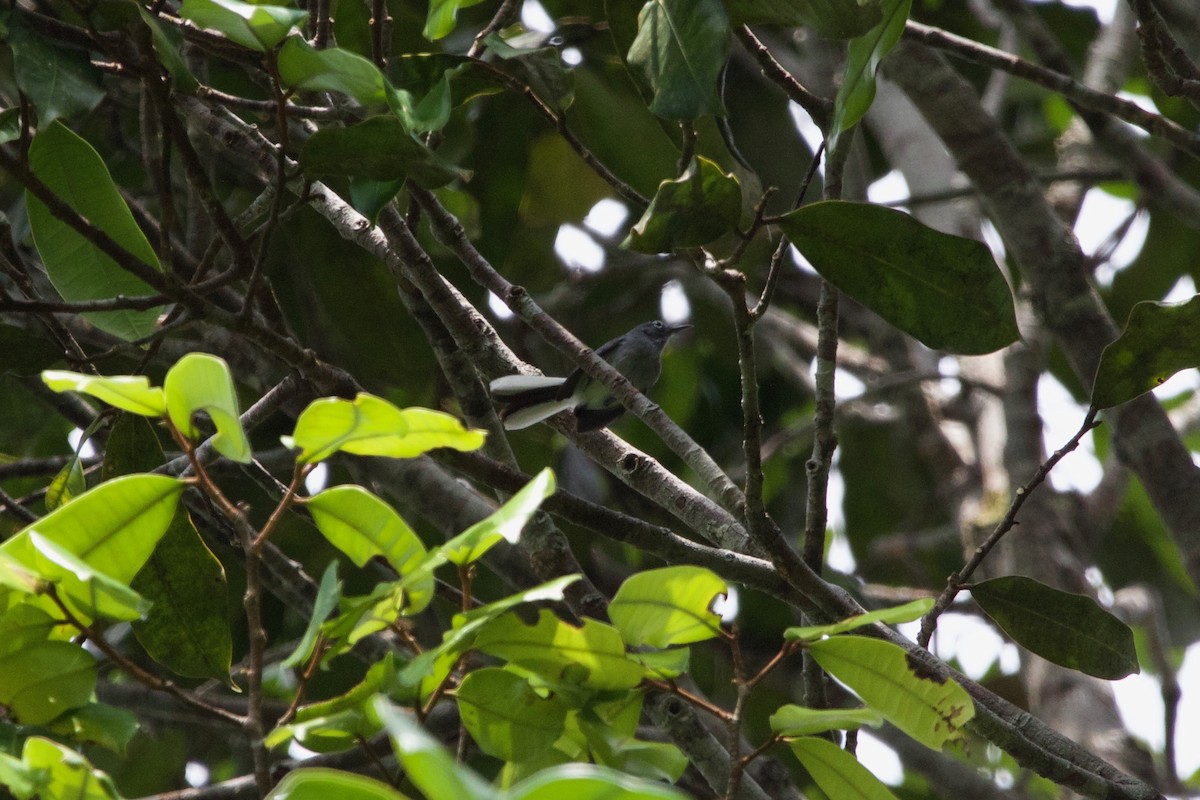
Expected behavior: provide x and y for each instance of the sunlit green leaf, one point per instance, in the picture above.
(506, 717)
(93, 592)
(931, 710)
(100, 724)
(589, 782)
(319, 783)
(258, 27)
(838, 773)
(505, 523)
(45, 680)
(426, 763)
(592, 655)
(65, 774)
(201, 382)
(442, 17)
(371, 426)
(1070, 630)
(668, 606)
(890, 616)
(944, 290)
(793, 720)
(132, 393)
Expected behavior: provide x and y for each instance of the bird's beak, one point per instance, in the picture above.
(680, 328)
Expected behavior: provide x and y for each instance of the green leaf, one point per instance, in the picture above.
(944, 290)
(328, 596)
(699, 206)
(67, 484)
(837, 773)
(341, 722)
(318, 783)
(663, 664)
(889, 616)
(19, 778)
(112, 528)
(930, 710)
(78, 269)
(132, 393)
(370, 197)
(542, 67)
(792, 720)
(168, 47)
(658, 761)
(93, 592)
(442, 17)
(59, 82)
(1070, 630)
(588, 782)
(1158, 341)
(380, 148)
(371, 426)
(330, 70)
(19, 577)
(65, 774)
(187, 628)
(363, 526)
(426, 763)
(102, 724)
(592, 655)
(857, 89)
(258, 27)
(682, 46)
(835, 19)
(668, 606)
(45, 680)
(506, 717)
(201, 382)
(23, 625)
(505, 523)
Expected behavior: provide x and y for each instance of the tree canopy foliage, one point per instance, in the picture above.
(263, 530)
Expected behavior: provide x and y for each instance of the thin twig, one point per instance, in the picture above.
(954, 584)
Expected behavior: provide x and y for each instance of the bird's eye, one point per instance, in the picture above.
(658, 326)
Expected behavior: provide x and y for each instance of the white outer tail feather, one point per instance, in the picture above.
(515, 384)
(535, 414)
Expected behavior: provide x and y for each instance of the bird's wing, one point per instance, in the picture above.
(511, 385)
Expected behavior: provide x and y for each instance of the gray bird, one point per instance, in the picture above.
(529, 399)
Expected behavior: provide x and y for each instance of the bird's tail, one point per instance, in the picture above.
(528, 399)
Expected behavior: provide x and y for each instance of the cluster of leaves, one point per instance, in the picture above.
(551, 692)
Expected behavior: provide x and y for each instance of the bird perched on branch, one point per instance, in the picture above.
(529, 399)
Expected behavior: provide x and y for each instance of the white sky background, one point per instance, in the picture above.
(961, 636)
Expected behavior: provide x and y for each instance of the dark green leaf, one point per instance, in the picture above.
(328, 596)
(542, 67)
(682, 45)
(187, 629)
(99, 723)
(1159, 340)
(944, 290)
(78, 269)
(168, 47)
(836, 19)
(59, 82)
(379, 148)
(857, 89)
(701, 205)
(1070, 630)
(330, 70)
